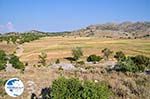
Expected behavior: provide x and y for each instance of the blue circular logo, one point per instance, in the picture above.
(14, 87)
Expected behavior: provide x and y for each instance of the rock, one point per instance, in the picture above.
(65, 66)
(147, 72)
(9, 67)
(31, 86)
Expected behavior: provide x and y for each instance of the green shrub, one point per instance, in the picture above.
(66, 89)
(120, 56)
(141, 60)
(2, 65)
(93, 58)
(16, 63)
(127, 65)
(57, 61)
(77, 53)
(3, 60)
(93, 90)
(72, 88)
(138, 63)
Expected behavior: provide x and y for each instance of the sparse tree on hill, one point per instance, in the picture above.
(106, 53)
(42, 58)
(77, 53)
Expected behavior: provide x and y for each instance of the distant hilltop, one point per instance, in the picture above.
(115, 30)
(107, 30)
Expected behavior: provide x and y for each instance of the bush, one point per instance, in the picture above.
(16, 63)
(3, 60)
(66, 89)
(57, 61)
(77, 53)
(120, 56)
(93, 58)
(127, 65)
(138, 63)
(63, 88)
(141, 60)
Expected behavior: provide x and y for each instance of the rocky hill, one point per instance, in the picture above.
(116, 30)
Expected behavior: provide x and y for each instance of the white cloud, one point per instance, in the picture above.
(9, 27)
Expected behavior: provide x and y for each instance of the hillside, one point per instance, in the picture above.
(116, 30)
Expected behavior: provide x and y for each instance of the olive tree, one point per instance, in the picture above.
(42, 59)
(106, 53)
(77, 53)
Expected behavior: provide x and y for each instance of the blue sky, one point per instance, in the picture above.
(62, 15)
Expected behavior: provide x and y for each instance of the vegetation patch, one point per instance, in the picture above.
(93, 58)
(16, 63)
(3, 59)
(73, 88)
(138, 63)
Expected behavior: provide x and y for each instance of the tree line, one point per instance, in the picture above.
(21, 38)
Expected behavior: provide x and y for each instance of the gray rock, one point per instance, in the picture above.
(65, 66)
(9, 67)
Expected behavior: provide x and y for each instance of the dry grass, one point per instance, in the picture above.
(60, 47)
(9, 48)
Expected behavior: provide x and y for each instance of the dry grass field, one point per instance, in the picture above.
(60, 47)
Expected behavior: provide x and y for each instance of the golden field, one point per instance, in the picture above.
(60, 47)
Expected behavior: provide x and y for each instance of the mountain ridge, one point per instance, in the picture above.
(116, 30)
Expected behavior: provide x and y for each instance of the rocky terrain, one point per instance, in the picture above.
(116, 30)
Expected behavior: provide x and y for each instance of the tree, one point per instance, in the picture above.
(77, 53)
(93, 58)
(120, 56)
(107, 52)
(42, 58)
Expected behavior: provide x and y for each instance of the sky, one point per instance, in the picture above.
(66, 15)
